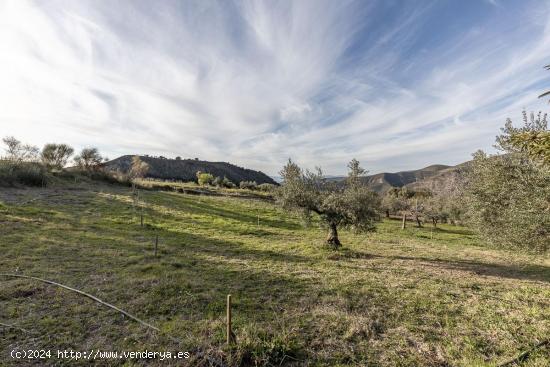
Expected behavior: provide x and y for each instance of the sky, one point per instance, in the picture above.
(395, 84)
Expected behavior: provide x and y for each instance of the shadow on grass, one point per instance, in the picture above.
(528, 272)
(203, 207)
(462, 232)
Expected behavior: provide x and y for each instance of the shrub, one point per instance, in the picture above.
(250, 185)
(23, 173)
(267, 187)
(218, 182)
(204, 178)
(227, 183)
(112, 177)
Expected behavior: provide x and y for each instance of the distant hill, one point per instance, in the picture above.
(186, 169)
(437, 182)
(382, 182)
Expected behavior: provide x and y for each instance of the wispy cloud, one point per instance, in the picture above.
(255, 82)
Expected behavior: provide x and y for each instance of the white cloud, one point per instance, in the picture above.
(257, 82)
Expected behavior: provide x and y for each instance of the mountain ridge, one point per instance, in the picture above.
(384, 181)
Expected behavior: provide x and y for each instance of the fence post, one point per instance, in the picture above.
(228, 316)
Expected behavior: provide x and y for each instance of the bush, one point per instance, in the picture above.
(218, 182)
(205, 178)
(227, 183)
(267, 187)
(250, 185)
(22, 173)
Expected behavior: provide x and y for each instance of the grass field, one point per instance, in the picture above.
(418, 297)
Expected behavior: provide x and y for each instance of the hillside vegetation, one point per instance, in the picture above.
(412, 297)
(186, 169)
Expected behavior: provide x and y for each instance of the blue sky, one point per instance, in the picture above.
(396, 84)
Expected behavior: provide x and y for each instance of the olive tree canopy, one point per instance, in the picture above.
(508, 195)
(339, 204)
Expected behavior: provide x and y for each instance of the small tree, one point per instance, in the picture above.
(435, 209)
(56, 155)
(350, 204)
(18, 152)
(396, 201)
(89, 159)
(138, 169)
(417, 204)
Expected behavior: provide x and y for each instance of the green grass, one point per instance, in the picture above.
(193, 186)
(418, 297)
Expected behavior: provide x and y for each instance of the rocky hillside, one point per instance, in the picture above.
(382, 182)
(441, 180)
(186, 169)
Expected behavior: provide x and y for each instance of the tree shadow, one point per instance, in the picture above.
(462, 232)
(527, 272)
(203, 207)
(200, 245)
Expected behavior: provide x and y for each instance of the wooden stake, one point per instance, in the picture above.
(404, 221)
(229, 331)
(141, 219)
(156, 244)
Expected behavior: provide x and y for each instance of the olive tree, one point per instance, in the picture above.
(396, 201)
(509, 194)
(532, 139)
(56, 155)
(339, 204)
(435, 209)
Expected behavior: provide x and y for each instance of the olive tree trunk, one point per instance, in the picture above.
(332, 238)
